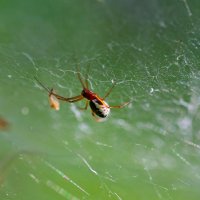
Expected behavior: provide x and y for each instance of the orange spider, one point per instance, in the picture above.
(98, 105)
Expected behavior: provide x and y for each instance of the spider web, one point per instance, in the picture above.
(148, 150)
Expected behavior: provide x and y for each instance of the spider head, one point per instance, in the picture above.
(88, 94)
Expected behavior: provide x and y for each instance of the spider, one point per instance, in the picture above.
(99, 108)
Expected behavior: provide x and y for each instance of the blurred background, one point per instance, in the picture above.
(148, 150)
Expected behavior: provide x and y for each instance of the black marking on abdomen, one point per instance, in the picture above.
(96, 110)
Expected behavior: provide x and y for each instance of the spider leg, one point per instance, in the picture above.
(86, 106)
(51, 91)
(67, 99)
(75, 100)
(86, 81)
(43, 86)
(110, 90)
(80, 79)
(120, 106)
(52, 94)
(86, 77)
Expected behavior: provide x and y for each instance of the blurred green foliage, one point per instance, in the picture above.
(148, 150)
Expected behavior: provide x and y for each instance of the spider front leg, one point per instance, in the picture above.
(110, 90)
(84, 82)
(75, 100)
(70, 100)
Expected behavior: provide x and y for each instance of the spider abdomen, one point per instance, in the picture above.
(101, 110)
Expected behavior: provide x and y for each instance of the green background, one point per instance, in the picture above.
(148, 150)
